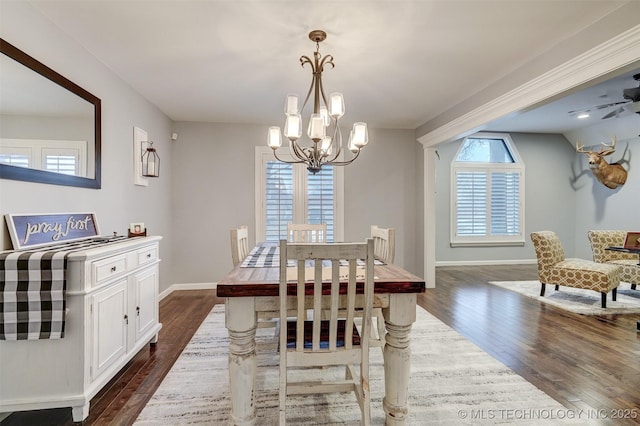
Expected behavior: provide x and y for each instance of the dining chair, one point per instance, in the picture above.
(384, 243)
(306, 233)
(318, 342)
(239, 244)
(384, 248)
(239, 251)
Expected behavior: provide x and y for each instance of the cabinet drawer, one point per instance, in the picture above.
(108, 268)
(147, 255)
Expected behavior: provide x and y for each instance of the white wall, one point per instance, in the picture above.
(213, 191)
(598, 207)
(119, 202)
(550, 200)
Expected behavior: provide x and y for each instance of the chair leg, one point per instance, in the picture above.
(614, 294)
(604, 299)
(633, 286)
(557, 287)
(542, 290)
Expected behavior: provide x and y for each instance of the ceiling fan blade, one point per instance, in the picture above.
(595, 108)
(614, 113)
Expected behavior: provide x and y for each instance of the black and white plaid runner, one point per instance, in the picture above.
(269, 257)
(32, 290)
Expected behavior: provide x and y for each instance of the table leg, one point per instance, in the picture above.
(399, 316)
(241, 326)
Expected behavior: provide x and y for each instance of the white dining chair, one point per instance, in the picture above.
(239, 244)
(306, 233)
(384, 248)
(239, 251)
(318, 342)
(384, 243)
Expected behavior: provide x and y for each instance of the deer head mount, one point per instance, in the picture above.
(610, 175)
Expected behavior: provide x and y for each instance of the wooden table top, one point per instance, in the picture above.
(261, 281)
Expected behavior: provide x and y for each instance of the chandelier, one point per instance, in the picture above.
(323, 127)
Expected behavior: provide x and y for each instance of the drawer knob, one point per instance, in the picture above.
(149, 256)
(114, 268)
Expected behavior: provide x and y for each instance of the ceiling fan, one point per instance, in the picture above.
(631, 103)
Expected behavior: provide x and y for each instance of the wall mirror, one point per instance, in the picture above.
(49, 126)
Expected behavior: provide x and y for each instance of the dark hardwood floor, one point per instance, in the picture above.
(584, 362)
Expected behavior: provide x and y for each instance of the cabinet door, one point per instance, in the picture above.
(146, 309)
(109, 316)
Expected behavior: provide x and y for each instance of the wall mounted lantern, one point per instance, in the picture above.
(150, 161)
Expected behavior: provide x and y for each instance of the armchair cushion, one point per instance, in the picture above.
(579, 273)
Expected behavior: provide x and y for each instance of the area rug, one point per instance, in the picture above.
(452, 382)
(579, 301)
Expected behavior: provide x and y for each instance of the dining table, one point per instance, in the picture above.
(253, 286)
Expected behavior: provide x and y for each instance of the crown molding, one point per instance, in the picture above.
(616, 53)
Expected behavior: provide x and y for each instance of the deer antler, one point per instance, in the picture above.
(613, 143)
(579, 148)
(612, 147)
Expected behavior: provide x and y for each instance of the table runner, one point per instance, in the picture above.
(32, 290)
(269, 257)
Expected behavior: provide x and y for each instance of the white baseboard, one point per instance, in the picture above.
(485, 262)
(188, 286)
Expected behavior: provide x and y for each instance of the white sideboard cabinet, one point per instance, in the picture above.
(112, 313)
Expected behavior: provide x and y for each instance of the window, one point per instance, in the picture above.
(66, 157)
(15, 159)
(487, 192)
(288, 193)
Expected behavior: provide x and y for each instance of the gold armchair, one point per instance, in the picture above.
(628, 262)
(553, 268)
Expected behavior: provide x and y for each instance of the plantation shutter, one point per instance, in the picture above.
(320, 201)
(18, 160)
(65, 164)
(278, 200)
(471, 203)
(505, 203)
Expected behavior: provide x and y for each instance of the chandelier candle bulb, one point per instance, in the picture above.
(352, 146)
(360, 134)
(316, 129)
(291, 105)
(275, 137)
(325, 147)
(324, 113)
(293, 127)
(336, 105)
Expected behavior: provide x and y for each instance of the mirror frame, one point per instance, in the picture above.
(41, 176)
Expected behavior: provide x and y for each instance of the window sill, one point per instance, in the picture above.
(487, 244)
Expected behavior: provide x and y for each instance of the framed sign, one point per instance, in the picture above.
(36, 230)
